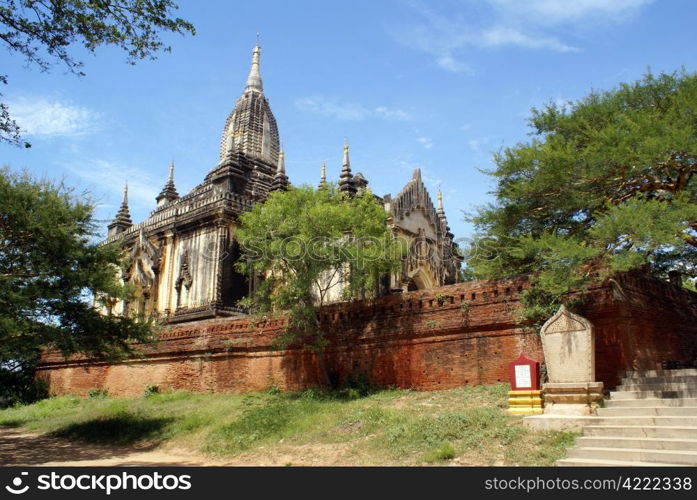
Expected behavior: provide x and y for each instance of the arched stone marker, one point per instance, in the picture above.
(568, 343)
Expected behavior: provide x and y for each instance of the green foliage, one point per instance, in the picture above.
(442, 297)
(43, 32)
(18, 384)
(356, 386)
(395, 427)
(256, 425)
(547, 447)
(151, 390)
(96, 393)
(307, 244)
(442, 453)
(50, 267)
(605, 185)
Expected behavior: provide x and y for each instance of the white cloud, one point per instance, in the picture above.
(425, 141)
(529, 24)
(391, 113)
(347, 111)
(482, 148)
(52, 118)
(448, 62)
(554, 12)
(498, 36)
(111, 176)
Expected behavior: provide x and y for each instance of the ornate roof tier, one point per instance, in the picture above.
(251, 127)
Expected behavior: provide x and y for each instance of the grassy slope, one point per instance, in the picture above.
(392, 427)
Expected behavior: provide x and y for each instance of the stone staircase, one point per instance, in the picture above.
(649, 420)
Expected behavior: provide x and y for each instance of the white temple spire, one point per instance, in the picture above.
(346, 184)
(254, 78)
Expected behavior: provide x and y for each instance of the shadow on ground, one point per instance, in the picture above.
(17, 447)
(119, 430)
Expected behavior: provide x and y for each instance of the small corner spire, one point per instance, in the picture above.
(281, 168)
(346, 182)
(169, 191)
(323, 175)
(346, 163)
(122, 221)
(280, 180)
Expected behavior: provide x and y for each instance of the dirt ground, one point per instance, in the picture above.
(18, 447)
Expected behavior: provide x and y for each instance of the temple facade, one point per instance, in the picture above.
(181, 258)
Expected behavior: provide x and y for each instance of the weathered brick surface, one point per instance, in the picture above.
(462, 334)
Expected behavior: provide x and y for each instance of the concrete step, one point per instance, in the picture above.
(662, 373)
(682, 457)
(659, 380)
(650, 431)
(644, 411)
(689, 393)
(637, 443)
(677, 386)
(650, 403)
(647, 421)
(590, 462)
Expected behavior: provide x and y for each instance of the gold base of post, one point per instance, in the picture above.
(525, 403)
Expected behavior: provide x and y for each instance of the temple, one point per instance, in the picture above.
(181, 258)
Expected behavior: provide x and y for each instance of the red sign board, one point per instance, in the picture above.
(524, 374)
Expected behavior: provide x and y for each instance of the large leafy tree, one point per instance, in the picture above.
(606, 184)
(310, 245)
(50, 268)
(43, 32)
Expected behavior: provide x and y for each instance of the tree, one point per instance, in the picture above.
(309, 244)
(43, 31)
(606, 185)
(50, 267)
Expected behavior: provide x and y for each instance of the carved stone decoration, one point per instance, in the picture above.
(432, 251)
(145, 263)
(569, 346)
(184, 278)
(568, 343)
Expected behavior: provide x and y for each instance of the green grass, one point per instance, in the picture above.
(442, 453)
(396, 427)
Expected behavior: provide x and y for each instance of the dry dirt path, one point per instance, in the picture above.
(19, 447)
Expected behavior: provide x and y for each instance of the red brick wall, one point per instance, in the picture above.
(464, 334)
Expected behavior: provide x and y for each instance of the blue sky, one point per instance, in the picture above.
(438, 85)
